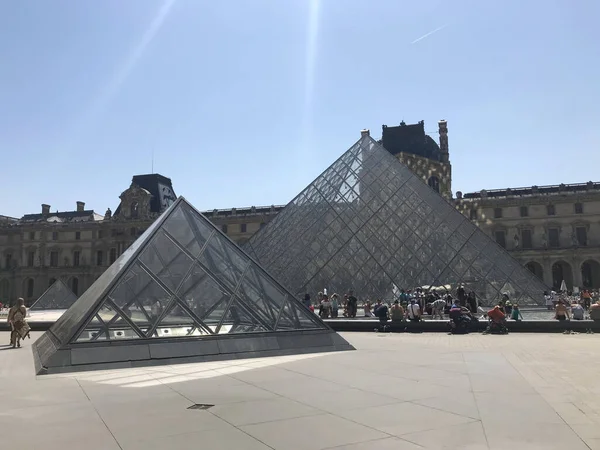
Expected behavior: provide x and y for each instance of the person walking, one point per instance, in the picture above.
(18, 324)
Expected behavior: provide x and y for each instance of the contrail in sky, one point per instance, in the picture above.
(429, 34)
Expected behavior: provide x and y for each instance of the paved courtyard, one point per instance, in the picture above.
(397, 391)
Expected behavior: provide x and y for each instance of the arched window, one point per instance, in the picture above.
(75, 285)
(434, 183)
(134, 210)
(30, 285)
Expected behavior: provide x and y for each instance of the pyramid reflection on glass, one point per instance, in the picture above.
(57, 296)
(369, 224)
(182, 292)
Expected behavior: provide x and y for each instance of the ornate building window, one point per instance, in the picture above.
(243, 228)
(578, 208)
(553, 237)
(526, 239)
(32, 235)
(500, 236)
(75, 285)
(30, 259)
(30, 286)
(133, 231)
(524, 210)
(99, 258)
(77, 235)
(224, 228)
(76, 256)
(7, 260)
(112, 255)
(55, 235)
(550, 210)
(134, 210)
(581, 235)
(497, 213)
(54, 259)
(434, 183)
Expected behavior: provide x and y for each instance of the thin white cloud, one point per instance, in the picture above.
(429, 34)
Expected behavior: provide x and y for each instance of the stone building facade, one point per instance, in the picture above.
(552, 230)
(75, 246)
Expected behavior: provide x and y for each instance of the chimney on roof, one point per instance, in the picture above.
(443, 129)
(365, 132)
(80, 206)
(45, 209)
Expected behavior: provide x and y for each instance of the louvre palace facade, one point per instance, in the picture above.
(552, 230)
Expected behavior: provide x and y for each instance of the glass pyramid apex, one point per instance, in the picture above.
(369, 224)
(183, 280)
(57, 296)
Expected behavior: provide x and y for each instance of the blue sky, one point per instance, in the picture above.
(245, 102)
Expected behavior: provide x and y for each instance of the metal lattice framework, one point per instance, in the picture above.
(182, 278)
(368, 223)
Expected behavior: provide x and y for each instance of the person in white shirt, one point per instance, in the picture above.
(413, 311)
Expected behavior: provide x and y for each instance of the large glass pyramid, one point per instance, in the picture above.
(369, 224)
(57, 296)
(182, 292)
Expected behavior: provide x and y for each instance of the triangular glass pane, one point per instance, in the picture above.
(200, 292)
(166, 260)
(187, 231)
(176, 322)
(238, 319)
(259, 293)
(220, 256)
(294, 317)
(57, 296)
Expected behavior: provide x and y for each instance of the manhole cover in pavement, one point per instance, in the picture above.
(200, 406)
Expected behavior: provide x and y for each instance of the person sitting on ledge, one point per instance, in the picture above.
(397, 312)
(595, 311)
(413, 312)
(516, 313)
(381, 312)
(577, 311)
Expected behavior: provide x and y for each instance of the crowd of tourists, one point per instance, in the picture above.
(462, 309)
(413, 303)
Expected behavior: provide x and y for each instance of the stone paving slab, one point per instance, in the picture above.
(397, 391)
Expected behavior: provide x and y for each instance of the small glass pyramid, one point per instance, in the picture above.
(57, 296)
(182, 280)
(369, 224)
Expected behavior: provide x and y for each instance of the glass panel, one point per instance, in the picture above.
(220, 257)
(239, 320)
(177, 322)
(201, 293)
(294, 317)
(262, 295)
(187, 230)
(166, 260)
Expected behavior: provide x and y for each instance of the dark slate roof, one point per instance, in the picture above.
(150, 182)
(64, 216)
(7, 219)
(410, 139)
(244, 211)
(535, 190)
